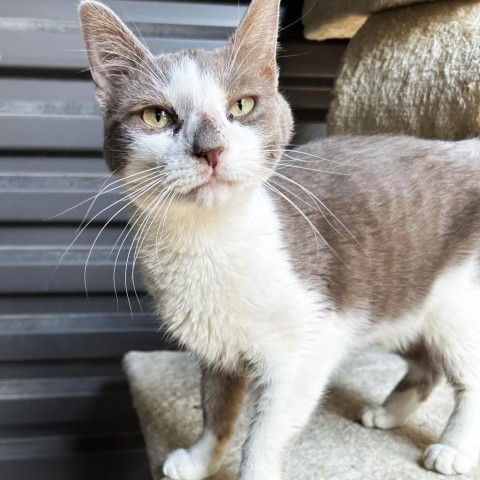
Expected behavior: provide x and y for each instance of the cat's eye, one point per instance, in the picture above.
(156, 117)
(242, 107)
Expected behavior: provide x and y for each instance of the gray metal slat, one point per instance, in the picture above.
(73, 302)
(56, 133)
(120, 464)
(56, 197)
(49, 270)
(28, 89)
(24, 389)
(22, 369)
(58, 324)
(69, 429)
(58, 235)
(64, 444)
(188, 13)
(60, 400)
(60, 336)
(50, 165)
(53, 181)
(42, 49)
(78, 346)
(57, 207)
(52, 97)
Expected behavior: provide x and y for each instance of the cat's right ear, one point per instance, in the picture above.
(113, 51)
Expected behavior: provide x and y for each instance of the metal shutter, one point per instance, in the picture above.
(65, 410)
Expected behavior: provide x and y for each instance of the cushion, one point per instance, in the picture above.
(325, 19)
(413, 70)
(166, 394)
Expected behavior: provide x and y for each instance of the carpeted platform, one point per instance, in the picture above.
(165, 390)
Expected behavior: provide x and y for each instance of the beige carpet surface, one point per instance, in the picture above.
(165, 390)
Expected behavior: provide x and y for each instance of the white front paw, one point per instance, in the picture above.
(378, 417)
(447, 460)
(184, 465)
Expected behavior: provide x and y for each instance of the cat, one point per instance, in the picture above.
(271, 264)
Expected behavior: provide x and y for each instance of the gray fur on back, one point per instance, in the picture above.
(397, 212)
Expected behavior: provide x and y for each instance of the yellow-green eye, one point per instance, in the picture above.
(156, 117)
(242, 107)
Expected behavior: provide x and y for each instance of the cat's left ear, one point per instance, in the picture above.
(254, 43)
(113, 50)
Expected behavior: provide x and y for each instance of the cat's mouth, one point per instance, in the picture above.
(218, 180)
(210, 183)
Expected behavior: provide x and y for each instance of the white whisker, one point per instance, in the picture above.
(313, 196)
(137, 195)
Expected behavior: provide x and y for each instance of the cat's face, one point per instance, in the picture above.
(194, 126)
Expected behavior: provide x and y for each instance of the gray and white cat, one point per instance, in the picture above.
(267, 285)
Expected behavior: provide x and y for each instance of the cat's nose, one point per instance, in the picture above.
(212, 157)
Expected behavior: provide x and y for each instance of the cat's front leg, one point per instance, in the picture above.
(222, 397)
(285, 398)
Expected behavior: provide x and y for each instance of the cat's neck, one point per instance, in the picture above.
(187, 225)
(239, 212)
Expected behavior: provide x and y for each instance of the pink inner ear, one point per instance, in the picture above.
(269, 70)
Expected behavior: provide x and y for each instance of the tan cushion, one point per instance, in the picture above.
(413, 70)
(325, 19)
(334, 446)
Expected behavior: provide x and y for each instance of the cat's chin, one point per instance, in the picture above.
(211, 194)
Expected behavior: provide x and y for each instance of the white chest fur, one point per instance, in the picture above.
(223, 283)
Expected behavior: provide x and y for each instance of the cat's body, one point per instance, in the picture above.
(382, 200)
(393, 197)
(272, 278)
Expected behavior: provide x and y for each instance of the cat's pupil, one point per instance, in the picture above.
(158, 114)
(240, 104)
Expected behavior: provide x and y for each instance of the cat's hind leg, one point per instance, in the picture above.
(458, 448)
(222, 397)
(413, 389)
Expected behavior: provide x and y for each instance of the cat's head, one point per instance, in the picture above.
(199, 125)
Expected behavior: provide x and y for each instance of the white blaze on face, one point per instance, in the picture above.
(193, 92)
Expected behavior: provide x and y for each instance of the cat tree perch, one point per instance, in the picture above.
(411, 67)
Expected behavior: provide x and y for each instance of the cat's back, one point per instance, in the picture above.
(387, 214)
(409, 178)
(390, 158)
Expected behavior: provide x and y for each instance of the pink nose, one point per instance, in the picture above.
(212, 156)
